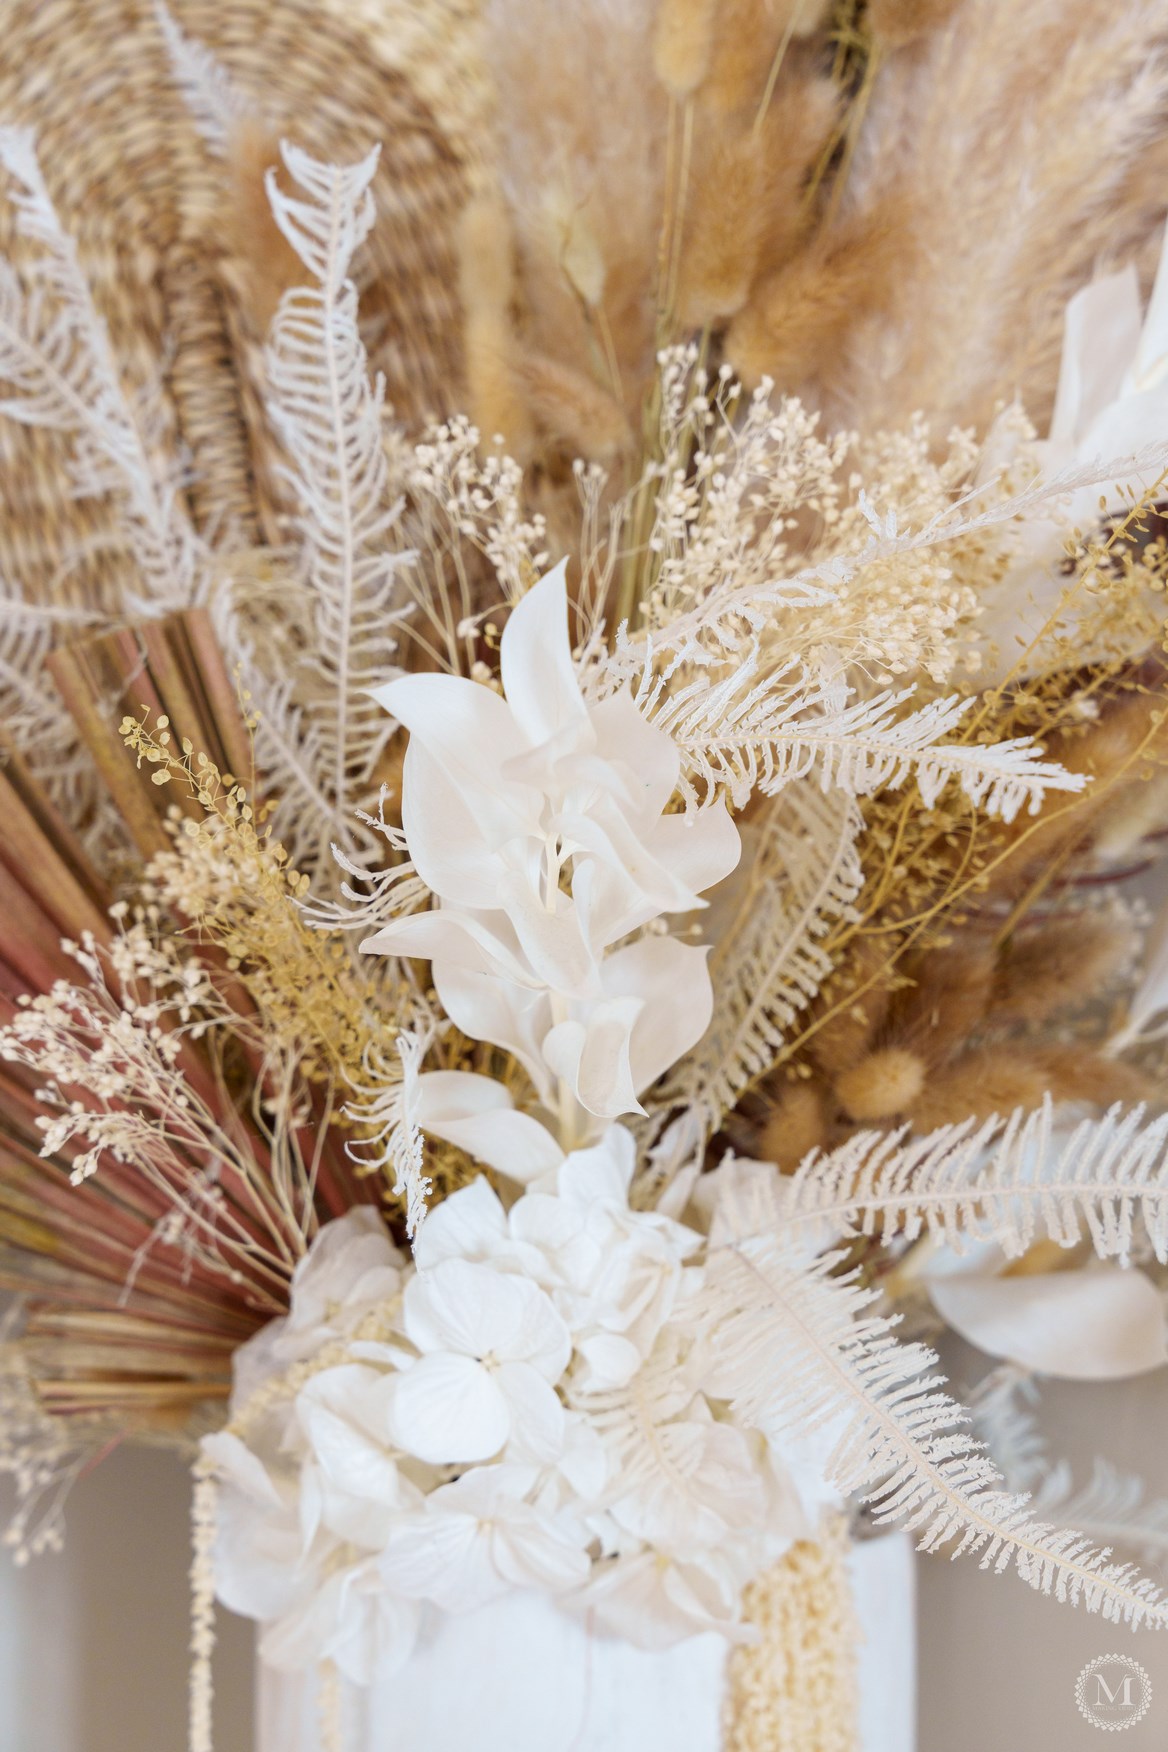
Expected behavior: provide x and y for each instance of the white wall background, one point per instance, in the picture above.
(93, 1643)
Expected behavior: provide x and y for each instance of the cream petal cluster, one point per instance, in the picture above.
(540, 821)
(521, 1408)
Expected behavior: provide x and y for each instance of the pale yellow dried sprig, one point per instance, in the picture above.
(236, 887)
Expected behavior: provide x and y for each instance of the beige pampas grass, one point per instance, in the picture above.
(580, 160)
(897, 22)
(754, 46)
(486, 290)
(572, 412)
(1050, 970)
(1024, 144)
(846, 279)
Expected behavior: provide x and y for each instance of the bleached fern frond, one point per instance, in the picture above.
(30, 707)
(1009, 1183)
(804, 876)
(1114, 1507)
(55, 352)
(389, 1113)
(384, 893)
(665, 1465)
(798, 1351)
(329, 412)
(737, 735)
(1001, 1412)
(214, 102)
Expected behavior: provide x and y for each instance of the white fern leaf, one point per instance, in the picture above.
(803, 877)
(798, 1350)
(1114, 1507)
(389, 1111)
(1001, 1411)
(55, 352)
(213, 100)
(1010, 1182)
(329, 415)
(738, 735)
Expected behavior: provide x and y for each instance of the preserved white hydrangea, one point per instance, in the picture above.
(531, 1405)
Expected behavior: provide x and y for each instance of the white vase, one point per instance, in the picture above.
(521, 1676)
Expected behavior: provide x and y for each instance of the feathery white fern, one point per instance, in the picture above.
(737, 734)
(328, 413)
(55, 352)
(1114, 1507)
(804, 876)
(798, 1350)
(210, 95)
(1007, 1182)
(389, 1110)
(1001, 1411)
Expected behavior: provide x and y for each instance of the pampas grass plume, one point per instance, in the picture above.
(1056, 968)
(790, 328)
(897, 22)
(486, 289)
(949, 999)
(749, 37)
(572, 411)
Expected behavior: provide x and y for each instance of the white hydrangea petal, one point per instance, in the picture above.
(375, 1630)
(530, 1551)
(537, 1416)
(601, 1173)
(349, 1460)
(449, 1411)
(468, 1224)
(240, 1467)
(611, 1361)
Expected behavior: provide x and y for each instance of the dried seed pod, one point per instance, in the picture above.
(884, 1084)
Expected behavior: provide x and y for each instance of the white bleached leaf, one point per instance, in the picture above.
(211, 97)
(768, 965)
(1009, 1182)
(328, 414)
(56, 355)
(799, 1350)
(739, 734)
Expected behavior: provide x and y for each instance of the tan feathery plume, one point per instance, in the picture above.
(981, 265)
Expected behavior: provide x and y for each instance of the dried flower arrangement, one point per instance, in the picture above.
(524, 956)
